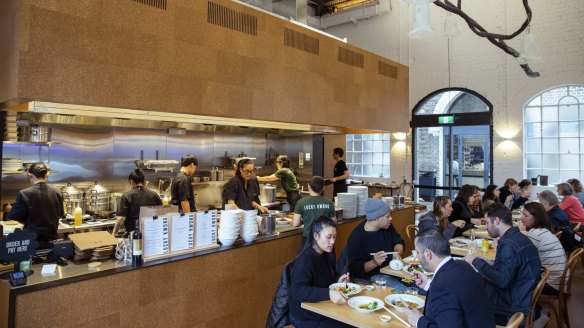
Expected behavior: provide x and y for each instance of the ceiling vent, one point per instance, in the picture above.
(301, 41)
(351, 57)
(158, 4)
(231, 19)
(387, 70)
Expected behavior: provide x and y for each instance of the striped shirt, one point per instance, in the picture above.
(551, 253)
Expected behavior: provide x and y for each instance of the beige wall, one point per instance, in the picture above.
(9, 26)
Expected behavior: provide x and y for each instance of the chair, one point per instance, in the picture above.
(565, 284)
(515, 320)
(535, 297)
(411, 232)
(559, 234)
(406, 189)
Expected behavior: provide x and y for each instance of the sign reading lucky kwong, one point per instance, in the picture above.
(18, 246)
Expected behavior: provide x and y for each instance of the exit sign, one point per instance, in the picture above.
(445, 119)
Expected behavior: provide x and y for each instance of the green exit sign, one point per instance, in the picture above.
(445, 119)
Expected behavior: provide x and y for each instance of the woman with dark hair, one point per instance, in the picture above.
(286, 178)
(138, 196)
(476, 207)
(461, 206)
(507, 192)
(438, 218)
(570, 204)
(491, 196)
(313, 272)
(536, 226)
(243, 190)
(578, 192)
(312, 207)
(39, 207)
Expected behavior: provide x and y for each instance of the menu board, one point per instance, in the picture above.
(155, 239)
(182, 232)
(206, 231)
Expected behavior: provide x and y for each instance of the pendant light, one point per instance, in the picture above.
(450, 26)
(529, 51)
(421, 22)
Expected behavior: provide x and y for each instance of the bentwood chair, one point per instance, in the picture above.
(535, 296)
(411, 232)
(406, 189)
(515, 320)
(549, 301)
(559, 234)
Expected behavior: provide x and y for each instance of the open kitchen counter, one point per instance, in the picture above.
(225, 286)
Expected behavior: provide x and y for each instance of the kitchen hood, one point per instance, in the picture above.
(49, 113)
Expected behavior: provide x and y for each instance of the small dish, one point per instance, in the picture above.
(369, 287)
(384, 318)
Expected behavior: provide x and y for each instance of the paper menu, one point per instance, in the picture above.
(155, 236)
(206, 231)
(182, 232)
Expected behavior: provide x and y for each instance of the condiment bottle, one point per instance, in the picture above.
(78, 216)
(485, 246)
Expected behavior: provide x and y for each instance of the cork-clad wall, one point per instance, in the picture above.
(9, 16)
(125, 54)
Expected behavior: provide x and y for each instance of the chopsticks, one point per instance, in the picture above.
(397, 317)
(386, 253)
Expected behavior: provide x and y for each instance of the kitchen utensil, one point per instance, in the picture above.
(267, 194)
(268, 224)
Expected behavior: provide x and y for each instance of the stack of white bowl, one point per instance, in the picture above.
(362, 195)
(348, 202)
(249, 226)
(229, 226)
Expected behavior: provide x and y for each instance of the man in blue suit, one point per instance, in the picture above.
(456, 296)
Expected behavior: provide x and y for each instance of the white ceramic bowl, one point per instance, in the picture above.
(249, 238)
(358, 302)
(227, 241)
(394, 298)
(340, 286)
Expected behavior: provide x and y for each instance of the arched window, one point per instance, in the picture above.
(554, 134)
(452, 142)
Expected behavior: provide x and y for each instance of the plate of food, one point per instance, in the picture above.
(481, 226)
(282, 221)
(366, 304)
(347, 289)
(402, 301)
(459, 242)
(411, 260)
(416, 267)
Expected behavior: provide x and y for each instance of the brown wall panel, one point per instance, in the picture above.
(129, 55)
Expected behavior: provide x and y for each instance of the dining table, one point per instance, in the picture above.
(348, 315)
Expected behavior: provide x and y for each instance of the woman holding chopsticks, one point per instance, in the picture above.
(313, 273)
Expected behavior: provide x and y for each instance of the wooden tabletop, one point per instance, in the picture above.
(478, 234)
(346, 314)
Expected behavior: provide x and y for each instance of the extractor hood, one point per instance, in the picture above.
(48, 113)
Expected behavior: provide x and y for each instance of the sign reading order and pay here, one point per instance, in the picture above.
(18, 246)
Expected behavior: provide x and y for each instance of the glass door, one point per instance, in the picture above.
(448, 157)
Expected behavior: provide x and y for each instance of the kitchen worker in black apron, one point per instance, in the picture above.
(182, 189)
(39, 207)
(340, 172)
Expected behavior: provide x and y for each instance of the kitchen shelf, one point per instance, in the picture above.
(40, 143)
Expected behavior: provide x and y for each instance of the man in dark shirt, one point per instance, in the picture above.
(132, 200)
(181, 191)
(39, 207)
(374, 236)
(340, 172)
(516, 271)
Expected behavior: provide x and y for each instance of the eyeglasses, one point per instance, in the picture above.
(247, 171)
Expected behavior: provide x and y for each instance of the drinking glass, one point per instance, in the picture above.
(383, 283)
(412, 290)
(472, 248)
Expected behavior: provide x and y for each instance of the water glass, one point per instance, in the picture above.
(383, 283)
(412, 290)
(472, 248)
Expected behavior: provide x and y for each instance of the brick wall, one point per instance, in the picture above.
(478, 65)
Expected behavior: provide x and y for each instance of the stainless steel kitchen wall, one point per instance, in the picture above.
(83, 154)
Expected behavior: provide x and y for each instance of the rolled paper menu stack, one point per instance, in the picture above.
(362, 193)
(348, 202)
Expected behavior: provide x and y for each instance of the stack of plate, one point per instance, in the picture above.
(249, 226)
(229, 226)
(362, 195)
(348, 202)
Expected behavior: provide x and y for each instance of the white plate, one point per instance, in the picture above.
(354, 289)
(481, 226)
(405, 268)
(283, 221)
(408, 260)
(390, 299)
(459, 242)
(358, 301)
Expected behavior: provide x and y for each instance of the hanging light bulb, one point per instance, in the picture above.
(421, 22)
(529, 52)
(451, 26)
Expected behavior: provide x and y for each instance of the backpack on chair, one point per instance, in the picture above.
(569, 239)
